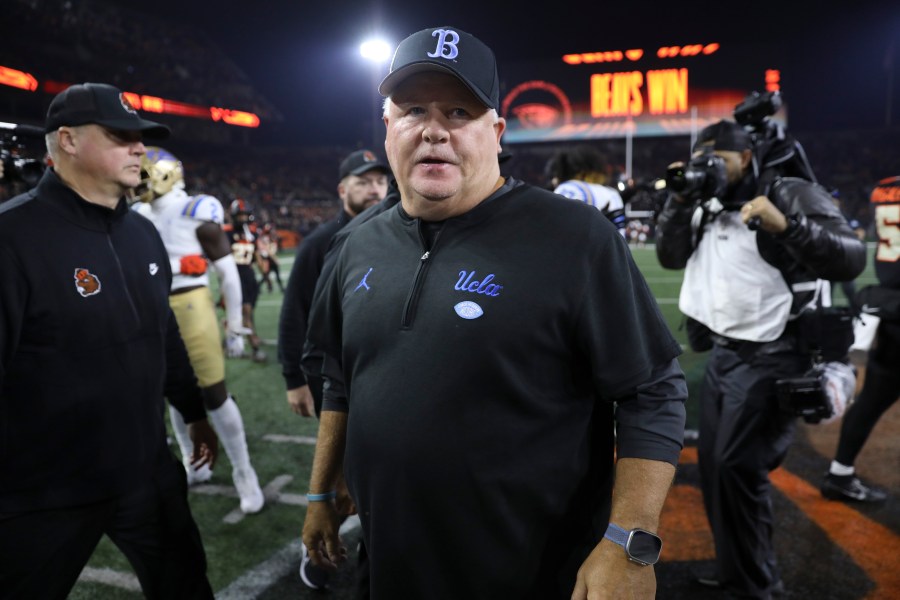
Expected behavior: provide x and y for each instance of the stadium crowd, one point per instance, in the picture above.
(292, 186)
(91, 40)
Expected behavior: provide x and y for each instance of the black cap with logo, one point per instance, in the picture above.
(100, 104)
(359, 162)
(724, 135)
(448, 50)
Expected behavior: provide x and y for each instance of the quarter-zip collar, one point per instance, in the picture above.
(482, 211)
(65, 202)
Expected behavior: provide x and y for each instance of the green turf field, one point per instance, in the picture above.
(242, 551)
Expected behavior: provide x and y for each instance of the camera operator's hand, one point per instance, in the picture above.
(764, 215)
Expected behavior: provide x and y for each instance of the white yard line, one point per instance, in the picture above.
(117, 579)
(290, 439)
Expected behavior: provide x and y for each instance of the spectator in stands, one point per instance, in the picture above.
(482, 399)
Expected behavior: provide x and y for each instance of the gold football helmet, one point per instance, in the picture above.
(161, 172)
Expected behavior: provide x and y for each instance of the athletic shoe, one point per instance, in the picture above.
(849, 488)
(312, 576)
(252, 499)
(259, 355)
(709, 582)
(715, 584)
(197, 476)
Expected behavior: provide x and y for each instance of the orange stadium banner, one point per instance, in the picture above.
(26, 81)
(18, 79)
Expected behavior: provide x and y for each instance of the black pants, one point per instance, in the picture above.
(880, 390)
(43, 552)
(744, 436)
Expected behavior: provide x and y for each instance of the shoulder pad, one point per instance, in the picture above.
(204, 208)
(574, 190)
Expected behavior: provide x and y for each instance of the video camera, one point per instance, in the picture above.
(17, 167)
(703, 177)
(775, 153)
(754, 111)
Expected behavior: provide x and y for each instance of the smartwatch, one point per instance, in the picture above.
(641, 546)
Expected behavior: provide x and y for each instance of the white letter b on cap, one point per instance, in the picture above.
(446, 46)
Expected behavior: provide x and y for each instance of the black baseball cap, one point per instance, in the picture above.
(448, 50)
(724, 135)
(100, 104)
(359, 162)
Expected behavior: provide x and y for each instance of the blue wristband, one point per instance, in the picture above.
(321, 497)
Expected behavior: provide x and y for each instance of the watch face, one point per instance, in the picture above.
(644, 547)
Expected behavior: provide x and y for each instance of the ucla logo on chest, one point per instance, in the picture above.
(468, 283)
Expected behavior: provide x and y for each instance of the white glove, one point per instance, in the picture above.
(234, 344)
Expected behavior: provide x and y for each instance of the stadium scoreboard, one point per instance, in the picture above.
(661, 91)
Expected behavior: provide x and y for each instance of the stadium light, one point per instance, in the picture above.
(377, 52)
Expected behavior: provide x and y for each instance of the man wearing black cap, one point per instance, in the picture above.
(362, 182)
(758, 257)
(474, 350)
(88, 349)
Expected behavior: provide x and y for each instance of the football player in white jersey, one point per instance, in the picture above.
(191, 228)
(579, 173)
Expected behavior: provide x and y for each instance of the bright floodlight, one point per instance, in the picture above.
(375, 50)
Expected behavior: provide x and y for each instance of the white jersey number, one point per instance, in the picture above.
(243, 252)
(887, 226)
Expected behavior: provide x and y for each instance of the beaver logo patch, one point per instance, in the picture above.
(86, 282)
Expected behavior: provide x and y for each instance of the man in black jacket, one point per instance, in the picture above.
(88, 349)
(747, 286)
(362, 181)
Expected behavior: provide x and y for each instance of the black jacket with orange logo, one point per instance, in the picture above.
(85, 331)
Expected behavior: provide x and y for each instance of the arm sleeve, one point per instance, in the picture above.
(334, 392)
(295, 308)
(619, 326)
(674, 235)
(230, 284)
(181, 387)
(650, 421)
(325, 333)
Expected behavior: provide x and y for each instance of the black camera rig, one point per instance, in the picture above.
(16, 166)
(775, 153)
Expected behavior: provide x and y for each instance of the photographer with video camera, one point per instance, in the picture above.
(18, 172)
(759, 241)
